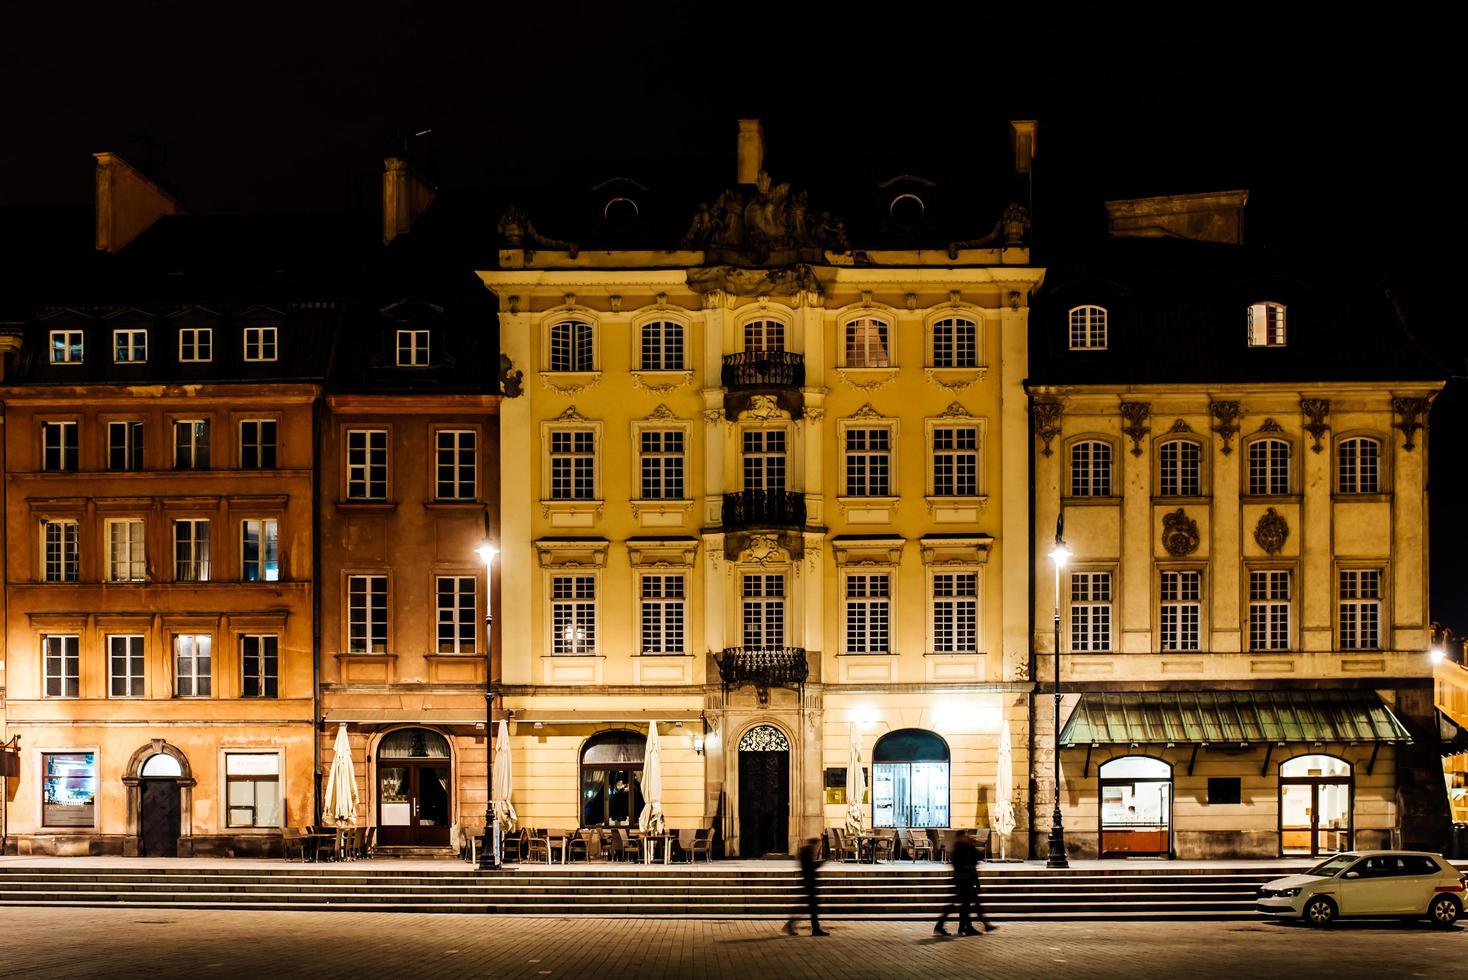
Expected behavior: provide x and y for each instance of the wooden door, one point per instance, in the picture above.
(764, 803)
(413, 806)
(158, 823)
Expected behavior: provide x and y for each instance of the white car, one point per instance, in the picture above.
(1369, 884)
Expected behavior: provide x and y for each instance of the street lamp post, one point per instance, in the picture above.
(1059, 555)
(489, 849)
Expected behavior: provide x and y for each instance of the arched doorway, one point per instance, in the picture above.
(764, 792)
(611, 779)
(1315, 805)
(1136, 806)
(414, 774)
(160, 793)
(910, 779)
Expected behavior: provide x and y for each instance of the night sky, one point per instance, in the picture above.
(1338, 123)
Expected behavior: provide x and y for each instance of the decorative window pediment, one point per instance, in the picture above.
(955, 549)
(864, 550)
(572, 552)
(661, 552)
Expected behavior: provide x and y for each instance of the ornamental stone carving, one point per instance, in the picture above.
(1410, 410)
(518, 231)
(1136, 415)
(770, 224)
(1226, 415)
(1046, 414)
(1271, 531)
(1316, 410)
(1179, 534)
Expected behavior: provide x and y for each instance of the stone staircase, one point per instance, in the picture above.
(1154, 891)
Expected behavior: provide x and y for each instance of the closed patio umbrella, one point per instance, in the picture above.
(856, 789)
(651, 821)
(504, 810)
(1001, 814)
(339, 806)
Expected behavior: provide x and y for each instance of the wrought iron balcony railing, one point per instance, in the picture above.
(763, 369)
(764, 508)
(764, 668)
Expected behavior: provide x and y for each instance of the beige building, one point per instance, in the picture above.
(774, 483)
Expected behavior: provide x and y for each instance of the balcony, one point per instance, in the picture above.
(763, 508)
(779, 667)
(774, 374)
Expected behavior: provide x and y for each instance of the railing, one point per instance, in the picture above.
(779, 667)
(764, 508)
(763, 369)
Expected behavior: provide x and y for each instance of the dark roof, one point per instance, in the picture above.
(1177, 313)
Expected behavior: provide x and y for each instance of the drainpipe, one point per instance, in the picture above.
(317, 410)
(1030, 615)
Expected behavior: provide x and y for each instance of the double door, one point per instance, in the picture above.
(413, 808)
(1314, 816)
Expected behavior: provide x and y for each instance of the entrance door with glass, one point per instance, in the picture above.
(413, 799)
(1315, 805)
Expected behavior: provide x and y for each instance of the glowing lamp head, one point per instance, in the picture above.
(487, 553)
(1060, 554)
(1436, 654)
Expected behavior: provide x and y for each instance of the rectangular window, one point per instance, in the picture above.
(1090, 469)
(252, 788)
(573, 614)
(662, 464)
(260, 660)
(764, 612)
(1180, 469)
(412, 348)
(195, 345)
(191, 444)
(662, 346)
(59, 446)
(1269, 610)
(59, 543)
(572, 347)
(260, 343)
(866, 344)
(126, 555)
(125, 666)
(457, 623)
(1358, 462)
(455, 464)
(257, 444)
(66, 346)
(367, 464)
(1266, 325)
(868, 613)
(956, 462)
(761, 336)
(662, 614)
(125, 446)
(129, 346)
(367, 614)
(62, 666)
(1182, 610)
(192, 665)
(191, 550)
(1269, 466)
(955, 343)
(69, 790)
(956, 612)
(1090, 612)
(573, 465)
(260, 550)
(869, 462)
(1360, 608)
(764, 460)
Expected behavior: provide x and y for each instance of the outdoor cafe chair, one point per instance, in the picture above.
(686, 836)
(580, 842)
(884, 844)
(293, 839)
(921, 844)
(537, 845)
(703, 843)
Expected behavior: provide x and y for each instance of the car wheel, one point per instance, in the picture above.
(1319, 911)
(1444, 910)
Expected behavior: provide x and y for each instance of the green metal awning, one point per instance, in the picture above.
(1231, 717)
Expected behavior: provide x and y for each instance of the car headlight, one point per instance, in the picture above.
(1289, 892)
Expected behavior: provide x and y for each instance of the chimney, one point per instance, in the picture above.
(405, 196)
(1212, 217)
(751, 150)
(1022, 134)
(127, 203)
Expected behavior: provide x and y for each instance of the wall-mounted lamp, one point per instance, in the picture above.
(539, 725)
(1436, 654)
(698, 745)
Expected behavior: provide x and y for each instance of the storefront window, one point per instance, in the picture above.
(910, 775)
(1136, 806)
(1315, 805)
(252, 786)
(70, 789)
(611, 778)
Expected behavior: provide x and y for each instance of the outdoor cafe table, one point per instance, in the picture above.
(649, 846)
(334, 836)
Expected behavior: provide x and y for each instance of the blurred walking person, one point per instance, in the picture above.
(965, 860)
(810, 861)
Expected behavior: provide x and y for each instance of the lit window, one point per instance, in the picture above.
(192, 665)
(257, 444)
(1266, 325)
(195, 345)
(260, 665)
(261, 343)
(367, 614)
(662, 464)
(124, 446)
(367, 464)
(252, 788)
(58, 446)
(1088, 328)
(1358, 463)
(260, 550)
(573, 615)
(1090, 469)
(457, 623)
(125, 666)
(956, 612)
(868, 613)
(869, 462)
(763, 616)
(191, 444)
(65, 346)
(764, 460)
(455, 452)
(662, 614)
(1360, 609)
(573, 464)
(126, 558)
(662, 346)
(129, 346)
(1269, 466)
(1269, 610)
(955, 343)
(69, 789)
(191, 550)
(413, 348)
(1090, 612)
(62, 666)
(763, 336)
(1179, 469)
(59, 542)
(866, 343)
(956, 461)
(573, 346)
(1182, 610)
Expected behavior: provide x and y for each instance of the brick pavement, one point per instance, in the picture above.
(39, 944)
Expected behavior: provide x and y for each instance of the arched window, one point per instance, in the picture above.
(955, 343)
(1179, 468)
(1088, 328)
(1267, 325)
(161, 765)
(761, 336)
(1136, 806)
(1358, 465)
(866, 343)
(413, 743)
(1269, 466)
(1315, 805)
(1090, 469)
(662, 346)
(611, 779)
(572, 346)
(910, 777)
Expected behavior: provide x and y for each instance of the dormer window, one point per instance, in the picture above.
(1088, 328)
(66, 346)
(261, 344)
(412, 348)
(129, 346)
(1267, 325)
